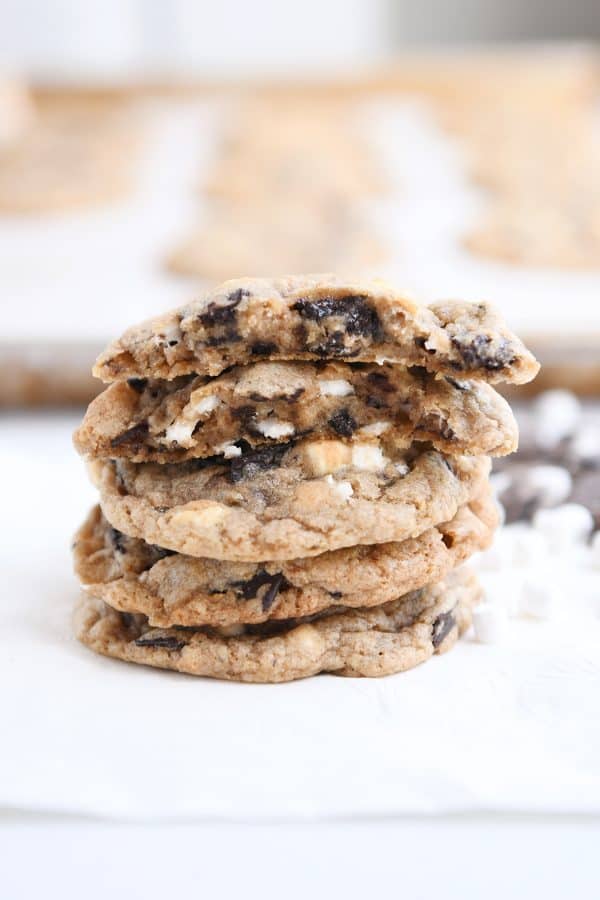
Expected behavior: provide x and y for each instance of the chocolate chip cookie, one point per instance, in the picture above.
(174, 589)
(314, 318)
(378, 641)
(272, 402)
(288, 500)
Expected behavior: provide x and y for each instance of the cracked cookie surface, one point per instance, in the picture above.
(372, 642)
(289, 500)
(270, 402)
(318, 317)
(175, 589)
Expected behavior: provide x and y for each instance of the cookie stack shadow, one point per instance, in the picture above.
(292, 473)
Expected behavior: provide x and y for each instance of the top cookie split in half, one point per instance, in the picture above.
(316, 317)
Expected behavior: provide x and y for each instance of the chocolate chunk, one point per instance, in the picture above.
(249, 589)
(162, 641)
(250, 464)
(335, 595)
(436, 423)
(381, 382)
(138, 384)
(375, 402)
(420, 342)
(134, 436)
(117, 539)
(459, 385)
(222, 313)
(263, 348)
(359, 316)
(480, 352)
(343, 423)
(229, 336)
(442, 627)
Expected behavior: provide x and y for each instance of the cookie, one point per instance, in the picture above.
(271, 402)
(174, 589)
(318, 317)
(378, 641)
(289, 500)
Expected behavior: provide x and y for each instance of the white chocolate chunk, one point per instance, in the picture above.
(229, 450)
(343, 488)
(272, 428)
(335, 387)
(206, 405)
(179, 432)
(490, 622)
(323, 457)
(368, 457)
(374, 429)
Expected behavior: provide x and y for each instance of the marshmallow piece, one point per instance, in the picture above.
(539, 598)
(504, 589)
(548, 485)
(335, 387)
(557, 414)
(585, 445)
(272, 428)
(570, 522)
(374, 429)
(528, 546)
(490, 622)
(323, 457)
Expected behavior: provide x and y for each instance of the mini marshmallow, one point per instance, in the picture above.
(557, 414)
(548, 485)
(539, 598)
(595, 550)
(490, 622)
(570, 522)
(271, 428)
(503, 588)
(527, 544)
(335, 387)
(585, 445)
(402, 468)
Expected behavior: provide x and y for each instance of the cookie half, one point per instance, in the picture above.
(318, 317)
(271, 402)
(174, 589)
(287, 501)
(378, 641)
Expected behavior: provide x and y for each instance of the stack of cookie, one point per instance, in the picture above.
(291, 473)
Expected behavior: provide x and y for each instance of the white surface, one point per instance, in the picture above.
(513, 727)
(451, 858)
(88, 277)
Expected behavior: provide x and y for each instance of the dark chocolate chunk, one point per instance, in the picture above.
(343, 423)
(138, 384)
(249, 589)
(359, 316)
(162, 641)
(263, 348)
(381, 382)
(117, 539)
(442, 627)
(420, 342)
(481, 352)
(229, 336)
(335, 595)
(250, 464)
(222, 313)
(436, 423)
(135, 435)
(375, 402)
(459, 385)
